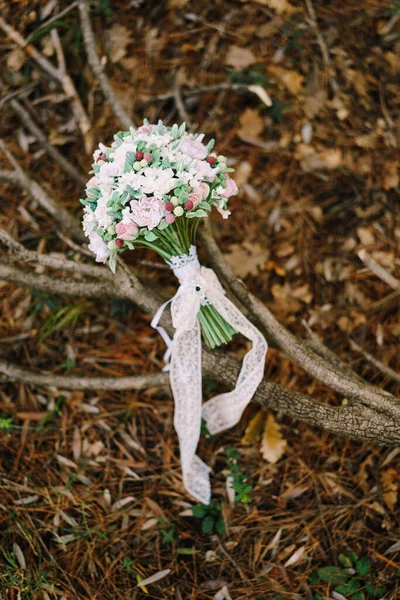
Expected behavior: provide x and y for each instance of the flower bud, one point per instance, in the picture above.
(178, 211)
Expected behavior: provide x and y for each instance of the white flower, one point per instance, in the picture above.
(157, 181)
(155, 138)
(119, 153)
(89, 220)
(204, 170)
(98, 247)
(225, 213)
(103, 219)
(106, 174)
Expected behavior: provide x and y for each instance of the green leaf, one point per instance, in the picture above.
(199, 213)
(220, 526)
(350, 587)
(187, 551)
(333, 575)
(358, 596)
(207, 524)
(345, 561)
(199, 511)
(149, 236)
(205, 205)
(375, 592)
(363, 566)
(112, 263)
(93, 192)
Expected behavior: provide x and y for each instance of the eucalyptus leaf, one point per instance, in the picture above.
(149, 236)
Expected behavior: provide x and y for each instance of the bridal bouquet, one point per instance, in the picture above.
(150, 189)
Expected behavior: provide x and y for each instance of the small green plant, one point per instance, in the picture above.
(253, 75)
(14, 577)
(352, 579)
(167, 530)
(127, 565)
(292, 34)
(68, 315)
(211, 518)
(239, 482)
(396, 7)
(6, 424)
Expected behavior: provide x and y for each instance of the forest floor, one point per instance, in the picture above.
(92, 501)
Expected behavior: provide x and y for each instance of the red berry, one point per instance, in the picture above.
(119, 242)
(189, 205)
(169, 206)
(170, 219)
(139, 155)
(147, 156)
(211, 160)
(101, 156)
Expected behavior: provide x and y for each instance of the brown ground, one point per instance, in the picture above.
(319, 181)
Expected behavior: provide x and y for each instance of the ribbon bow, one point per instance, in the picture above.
(199, 285)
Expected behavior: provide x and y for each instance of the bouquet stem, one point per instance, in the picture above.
(174, 241)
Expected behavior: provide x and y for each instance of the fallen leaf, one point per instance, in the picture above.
(251, 124)
(223, 594)
(295, 557)
(16, 59)
(243, 172)
(154, 578)
(390, 488)
(119, 37)
(254, 428)
(366, 236)
(279, 6)
(239, 58)
(259, 91)
(272, 445)
(246, 259)
(391, 176)
(292, 80)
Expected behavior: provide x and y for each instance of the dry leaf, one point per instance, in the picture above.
(119, 37)
(366, 236)
(243, 172)
(16, 59)
(390, 487)
(154, 578)
(295, 557)
(239, 58)
(259, 91)
(246, 259)
(254, 428)
(292, 80)
(272, 445)
(391, 176)
(279, 6)
(251, 124)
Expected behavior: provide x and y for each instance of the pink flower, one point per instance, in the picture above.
(202, 190)
(193, 147)
(146, 128)
(204, 170)
(195, 198)
(126, 231)
(231, 188)
(98, 246)
(147, 212)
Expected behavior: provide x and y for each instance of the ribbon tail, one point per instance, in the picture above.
(168, 341)
(225, 410)
(185, 379)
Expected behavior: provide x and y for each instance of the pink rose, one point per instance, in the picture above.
(146, 128)
(147, 212)
(202, 190)
(231, 188)
(193, 148)
(126, 231)
(195, 198)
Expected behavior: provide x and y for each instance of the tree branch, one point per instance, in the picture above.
(98, 68)
(302, 355)
(388, 371)
(67, 223)
(29, 123)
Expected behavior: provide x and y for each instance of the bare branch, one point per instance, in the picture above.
(98, 69)
(352, 422)
(313, 364)
(54, 261)
(388, 371)
(29, 123)
(66, 222)
(379, 271)
(11, 372)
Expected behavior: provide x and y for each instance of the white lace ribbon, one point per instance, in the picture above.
(199, 285)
